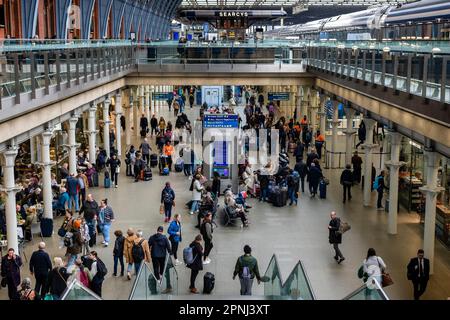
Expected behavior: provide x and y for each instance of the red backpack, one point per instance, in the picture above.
(84, 278)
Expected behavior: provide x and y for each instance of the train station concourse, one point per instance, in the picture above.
(225, 150)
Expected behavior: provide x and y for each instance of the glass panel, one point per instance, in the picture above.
(297, 285)
(77, 291)
(272, 288)
(369, 291)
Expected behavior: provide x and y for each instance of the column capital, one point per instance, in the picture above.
(70, 146)
(431, 190)
(92, 109)
(349, 112)
(396, 138)
(370, 123)
(349, 132)
(46, 137)
(394, 164)
(10, 156)
(73, 120)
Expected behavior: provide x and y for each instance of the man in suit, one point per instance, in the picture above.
(419, 273)
(40, 266)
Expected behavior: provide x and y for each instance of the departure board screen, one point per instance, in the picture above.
(220, 121)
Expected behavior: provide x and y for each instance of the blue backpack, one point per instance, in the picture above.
(376, 183)
(188, 255)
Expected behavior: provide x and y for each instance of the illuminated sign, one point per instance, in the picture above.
(233, 14)
(221, 121)
(279, 96)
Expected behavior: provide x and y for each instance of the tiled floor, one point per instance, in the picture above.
(293, 233)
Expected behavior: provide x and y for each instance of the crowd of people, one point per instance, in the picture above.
(85, 219)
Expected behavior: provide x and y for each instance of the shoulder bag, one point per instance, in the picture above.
(386, 279)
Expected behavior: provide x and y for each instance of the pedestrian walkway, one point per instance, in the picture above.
(292, 232)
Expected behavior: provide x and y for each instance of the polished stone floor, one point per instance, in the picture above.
(292, 233)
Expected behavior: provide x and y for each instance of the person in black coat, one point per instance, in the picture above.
(314, 176)
(334, 237)
(159, 248)
(197, 264)
(310, 157)
(347, 182)
(118, 252)
(361, 133)
(298, 153)
(153, 124)
(216, 184)
(418, 271)
(10, 270)
(40, 266)
(57, 279)
(144, 125)
(302, 169)
(114, 164)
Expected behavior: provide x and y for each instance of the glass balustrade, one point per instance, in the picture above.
(147, 287)
(296, 286)
(77, 291)
(371, 290)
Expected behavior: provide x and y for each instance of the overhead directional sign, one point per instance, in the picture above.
(279, 96)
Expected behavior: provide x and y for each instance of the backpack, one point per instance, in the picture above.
(137, 252)
(376, 183)
(188, 255)
(101, 268)
(68, 240)
(246, 274)
(167, 197)
(84, 278)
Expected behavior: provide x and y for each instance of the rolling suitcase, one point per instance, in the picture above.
(322, 189)
(153, 160)
(95, 179)
(107, 180)
(165, 171)
(179, 165)
(280, 198)
(148, 175)
(208, 282)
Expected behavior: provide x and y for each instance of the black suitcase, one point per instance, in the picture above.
(95, 179)
(153, 160)
(148, 175)
(46, 227)
(322, 190)
(208, 282)
(280, 198)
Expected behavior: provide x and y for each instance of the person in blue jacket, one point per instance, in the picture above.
(62, 204)
(167, 199)
(174, 232)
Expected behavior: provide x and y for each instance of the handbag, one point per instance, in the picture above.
(173, 203)
(386, 279)
(161, 209)
(117, 169)
(4, 282)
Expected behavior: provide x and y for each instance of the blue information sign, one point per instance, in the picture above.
(279, 96)
(220, 121)
(160, 96)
